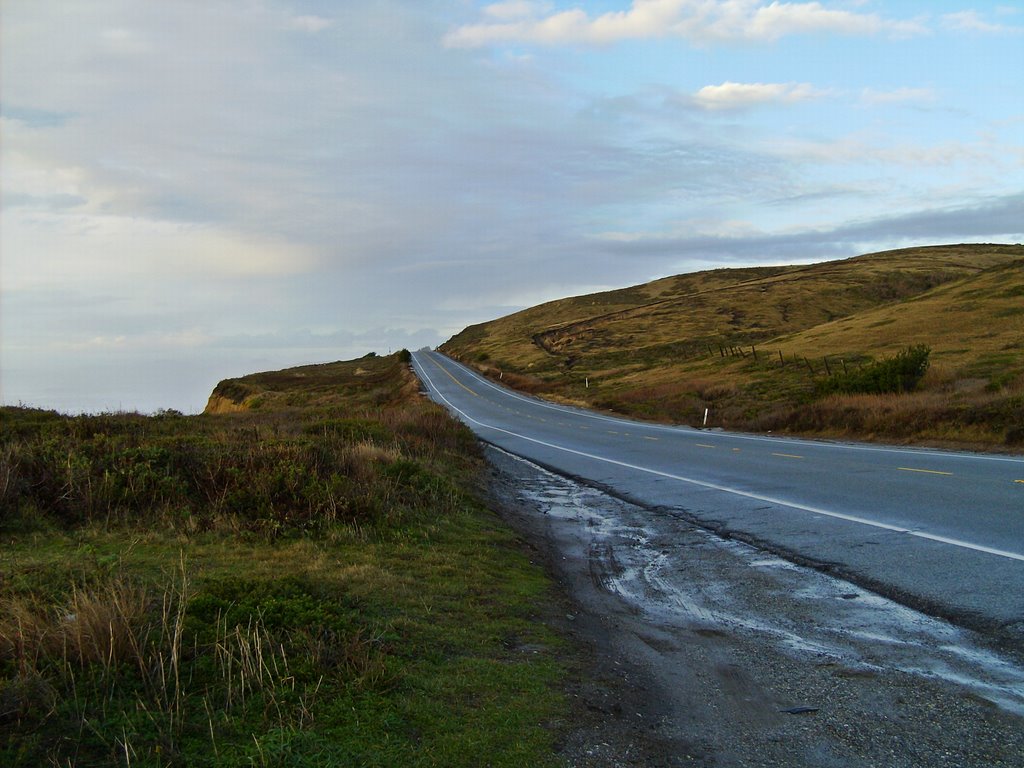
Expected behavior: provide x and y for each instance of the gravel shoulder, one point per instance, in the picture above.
(702, 651)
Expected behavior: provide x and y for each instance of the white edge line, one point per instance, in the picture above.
(735, 491)
(691, 431)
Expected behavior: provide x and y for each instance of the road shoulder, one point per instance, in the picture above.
(654, 690)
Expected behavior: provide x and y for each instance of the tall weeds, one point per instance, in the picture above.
(264, 474)
(125, 653)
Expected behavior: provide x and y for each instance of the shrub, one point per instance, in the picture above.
(900, 373)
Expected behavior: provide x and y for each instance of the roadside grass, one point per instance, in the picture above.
(291, 586)
(761, 349)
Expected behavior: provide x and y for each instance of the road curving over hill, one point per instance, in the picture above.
(941, 531)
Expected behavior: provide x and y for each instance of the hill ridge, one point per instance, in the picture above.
(657, 349)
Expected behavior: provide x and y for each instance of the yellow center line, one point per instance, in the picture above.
(474, 394)
(788, 455)
(650, 438)
(925, 471)
(703, 445)
(612, 432)
(1019, 481)
(735, 450)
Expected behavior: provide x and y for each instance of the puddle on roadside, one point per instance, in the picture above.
(682, 576)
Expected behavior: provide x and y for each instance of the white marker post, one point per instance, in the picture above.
(706, 416)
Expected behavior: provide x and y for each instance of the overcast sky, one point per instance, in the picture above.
(199, 189)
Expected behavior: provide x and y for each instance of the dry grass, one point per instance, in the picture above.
(118, 630)
(733, 305)
(105, 625)
(669, 348)
(987, 418)
(370, 382)
(96, 638)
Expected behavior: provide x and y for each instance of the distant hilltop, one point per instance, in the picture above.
(789, 348)
(372, 380)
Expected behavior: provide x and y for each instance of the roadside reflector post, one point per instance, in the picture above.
(586, 381)
(706, 416)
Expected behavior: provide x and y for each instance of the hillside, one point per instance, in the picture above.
(756, 345)
(308, 580)
(370, 381)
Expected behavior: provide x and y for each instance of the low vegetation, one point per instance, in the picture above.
(308, 582)
(823, 349)
(898, 374)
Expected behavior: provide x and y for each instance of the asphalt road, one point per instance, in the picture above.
(941, 531)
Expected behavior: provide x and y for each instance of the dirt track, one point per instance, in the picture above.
(702, 651)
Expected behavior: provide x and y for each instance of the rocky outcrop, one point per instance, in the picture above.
(217, 404)
(229, 396)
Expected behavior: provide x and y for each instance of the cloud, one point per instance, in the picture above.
(512, 300)
(191, 191)
(867, 150)
(875, 97)
(515, 9)
(971, 21)
(311, 24)
(729, 95)
(84, 248)
(735, 96)
(699, 21)
(995, 219)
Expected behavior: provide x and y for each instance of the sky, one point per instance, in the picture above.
(200, 189)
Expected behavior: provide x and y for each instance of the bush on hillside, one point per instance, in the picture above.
(900, 373)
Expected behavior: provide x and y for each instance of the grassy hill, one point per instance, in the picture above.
(758, 346)
(305, 578)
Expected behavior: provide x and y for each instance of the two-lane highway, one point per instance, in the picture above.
(941, 530)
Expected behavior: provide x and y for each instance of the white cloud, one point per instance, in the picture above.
(505, 301)
(185, 338)
(94, 343)
(699, 21)
(875, 97)
(971, 21)
(96, 249)
(868, 150)
(312, 24)
(515, 9)
(730, 95)
(205, 180)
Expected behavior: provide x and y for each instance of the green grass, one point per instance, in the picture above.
(287, 586)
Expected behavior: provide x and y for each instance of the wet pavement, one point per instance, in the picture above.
(745, 658)
(937, 530)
